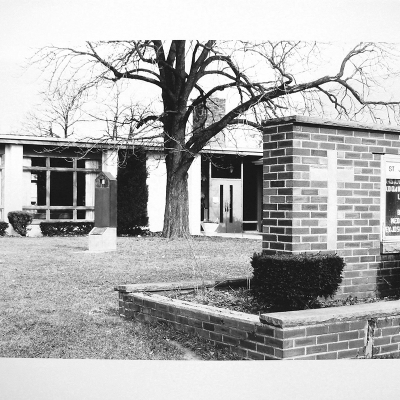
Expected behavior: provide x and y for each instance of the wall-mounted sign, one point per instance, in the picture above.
(392, 218)
(392, 170)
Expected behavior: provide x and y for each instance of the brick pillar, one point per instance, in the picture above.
(321, 193)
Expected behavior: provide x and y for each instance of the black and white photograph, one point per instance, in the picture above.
(176, 214)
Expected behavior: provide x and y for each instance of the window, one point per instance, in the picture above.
(60, 188)
(228, 167)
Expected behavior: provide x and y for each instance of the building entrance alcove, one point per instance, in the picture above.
(231, 191)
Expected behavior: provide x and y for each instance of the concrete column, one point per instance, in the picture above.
(13, 185)
(109, 161)
(89, 187)
(156, 183)
(194, 188)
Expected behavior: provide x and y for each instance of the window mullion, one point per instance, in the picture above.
(75, 194)
(47, 192)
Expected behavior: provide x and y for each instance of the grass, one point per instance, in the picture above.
(57, 299)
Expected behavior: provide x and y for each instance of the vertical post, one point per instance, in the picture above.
(13, 178)
(156, 183)
(194, 189)
(89, 188)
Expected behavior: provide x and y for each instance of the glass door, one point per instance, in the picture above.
(225, 203)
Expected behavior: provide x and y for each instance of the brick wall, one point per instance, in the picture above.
(322, 193)
(205, 116)
(238, 332)
(360, 331)
(214, 111)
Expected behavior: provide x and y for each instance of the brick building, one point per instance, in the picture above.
(333, 186)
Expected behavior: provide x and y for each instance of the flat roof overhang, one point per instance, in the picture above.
(56, 142)
(46, 141)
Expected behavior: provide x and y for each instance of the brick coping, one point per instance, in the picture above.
(380, 309)
(330, 122)
(182, 285)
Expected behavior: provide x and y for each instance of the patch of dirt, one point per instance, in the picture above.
(233, 299)
(187, 354)
(242, 300)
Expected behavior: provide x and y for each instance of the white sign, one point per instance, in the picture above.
(392, 170)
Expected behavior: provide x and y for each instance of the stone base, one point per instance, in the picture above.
(33, 231)
(103, 239)
(11, 232)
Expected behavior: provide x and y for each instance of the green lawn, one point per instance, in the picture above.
(57, 299)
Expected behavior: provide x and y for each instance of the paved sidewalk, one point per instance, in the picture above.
(241, 235)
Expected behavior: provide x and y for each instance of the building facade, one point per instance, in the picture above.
(54, 180)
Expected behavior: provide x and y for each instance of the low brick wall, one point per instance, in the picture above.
(359, 331)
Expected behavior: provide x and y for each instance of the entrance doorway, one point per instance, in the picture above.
(225, 204)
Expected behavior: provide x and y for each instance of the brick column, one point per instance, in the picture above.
(322, 194)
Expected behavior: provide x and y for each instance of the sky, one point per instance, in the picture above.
(26, 25)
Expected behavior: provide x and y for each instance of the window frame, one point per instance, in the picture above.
(387, 159)
(74, 169)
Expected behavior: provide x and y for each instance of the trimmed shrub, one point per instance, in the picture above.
(283, 282)
(19, 220)
(66, 228)
(132, 193)
(3, 227)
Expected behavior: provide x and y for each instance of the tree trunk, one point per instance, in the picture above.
(176, 216)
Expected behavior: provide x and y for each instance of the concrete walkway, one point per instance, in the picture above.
(241, 235)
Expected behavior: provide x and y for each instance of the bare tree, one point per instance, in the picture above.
(123, 120)
(61, 108)
(266, 79)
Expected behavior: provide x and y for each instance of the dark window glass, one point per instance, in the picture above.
(61, 188)
(38, 161)
(251, 174)
(250, 226)
(38, 188)
(227, 167)
(231, 203)
(81, 193)
(80, 163)
(61, 214)
(61, 162)
(81, 214)
(221, 203)
(85, 163)
(38, 214)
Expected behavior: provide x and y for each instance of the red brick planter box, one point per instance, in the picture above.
(358, 331)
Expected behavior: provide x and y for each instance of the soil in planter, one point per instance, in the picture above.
(241, 300)
(238, 299)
